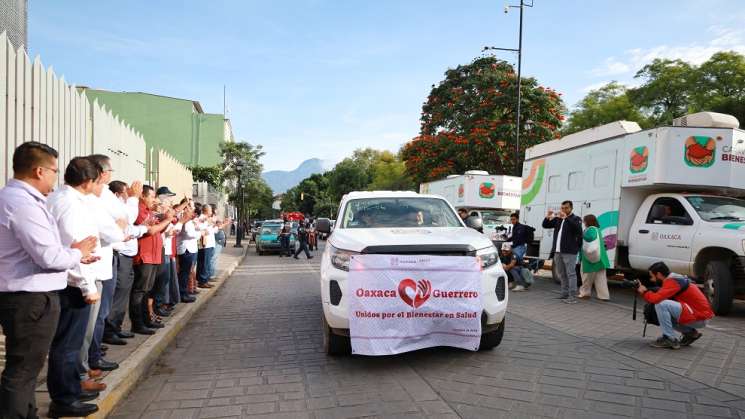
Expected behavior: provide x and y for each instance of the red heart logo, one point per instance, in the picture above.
(420, 290)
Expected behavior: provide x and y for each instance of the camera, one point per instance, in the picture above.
(631, 283)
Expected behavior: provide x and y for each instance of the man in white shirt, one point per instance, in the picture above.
(69, 207)
(124, 253)
(167, 279)
(206, 224)
(33, 268)
(187, 252)
(111, 220)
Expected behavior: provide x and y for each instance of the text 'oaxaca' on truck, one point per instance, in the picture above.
(490, 197)
(667, 193)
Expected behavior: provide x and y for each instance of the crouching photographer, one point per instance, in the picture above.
(679, 305)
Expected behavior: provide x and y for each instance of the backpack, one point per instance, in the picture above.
(530, 234)
(650, 314)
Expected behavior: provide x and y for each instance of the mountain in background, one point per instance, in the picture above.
(282, 180)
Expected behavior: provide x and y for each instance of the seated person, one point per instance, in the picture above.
(512, 268)
(680, 305)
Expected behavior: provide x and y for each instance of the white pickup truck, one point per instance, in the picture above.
(403, 223)
(665, 194)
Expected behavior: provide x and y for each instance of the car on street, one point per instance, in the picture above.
(375, 223)
(255, 230)
(268, 238)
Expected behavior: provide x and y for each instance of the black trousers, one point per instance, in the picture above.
(143, 283)
(303, 247)
(125, 277)
(63, 375)
(29, 320)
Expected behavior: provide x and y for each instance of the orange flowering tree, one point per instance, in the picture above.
(469, 121)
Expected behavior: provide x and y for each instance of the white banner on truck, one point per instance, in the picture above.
(404, 303)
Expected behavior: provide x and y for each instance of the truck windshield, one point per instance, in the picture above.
(495, 218)
(270, 230)
(399, 212)
(718, 208)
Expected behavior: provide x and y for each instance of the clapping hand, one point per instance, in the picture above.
(85, 246)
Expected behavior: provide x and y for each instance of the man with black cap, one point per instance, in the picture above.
(167, 280)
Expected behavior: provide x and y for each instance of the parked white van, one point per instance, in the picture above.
(665, 194)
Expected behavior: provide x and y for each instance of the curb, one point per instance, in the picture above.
(122, 380)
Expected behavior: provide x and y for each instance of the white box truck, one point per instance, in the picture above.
(666, 194)
(491, 197)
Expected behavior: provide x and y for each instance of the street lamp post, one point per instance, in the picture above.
(239, 228)
(519, 52)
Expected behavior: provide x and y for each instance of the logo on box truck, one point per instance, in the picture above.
(699, 151)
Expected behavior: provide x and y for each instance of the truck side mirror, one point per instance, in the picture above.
(475, 223)
(323, 225)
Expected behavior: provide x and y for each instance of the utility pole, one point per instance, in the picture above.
(519, 51)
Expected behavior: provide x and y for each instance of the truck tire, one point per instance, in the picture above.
(718, 287)
(335, 345)
(492, 339)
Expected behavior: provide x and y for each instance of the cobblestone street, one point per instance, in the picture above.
(256, 351)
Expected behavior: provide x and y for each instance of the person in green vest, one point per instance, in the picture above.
(593, 273)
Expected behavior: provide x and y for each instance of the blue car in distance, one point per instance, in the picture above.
(267, 240)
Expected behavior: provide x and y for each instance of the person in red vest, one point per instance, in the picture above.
(680, 305)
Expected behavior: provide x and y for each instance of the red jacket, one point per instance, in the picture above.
(694, 303)
(150, 249)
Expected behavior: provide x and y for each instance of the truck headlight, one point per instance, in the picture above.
(340, 258)
(488, 256)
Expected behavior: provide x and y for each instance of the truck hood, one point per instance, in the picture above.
(357, 239)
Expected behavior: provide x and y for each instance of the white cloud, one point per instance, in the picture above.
(594, 86)
(724, 39)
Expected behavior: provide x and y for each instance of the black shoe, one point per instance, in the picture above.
(310, 257)
(155, 325)
(77, 409)
(114, 340)
(125, 335)
(296, 257)
(562, 297)
(188, 299)
(666, 342)
(142, 330)
(104, 348)
(689, 338)
(162, 313)
(86, 396)
(104, 365)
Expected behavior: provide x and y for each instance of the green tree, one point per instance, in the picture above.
(257, 199)
(241, 166)
(213, 175)
(720, 84)
(602, 106)
(469, 121)
(346, 177)
(666, 91)
(389, 174)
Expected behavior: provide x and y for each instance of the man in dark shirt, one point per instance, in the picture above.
(513, 268)
(520, 236)
(567, 243)
(302, 237)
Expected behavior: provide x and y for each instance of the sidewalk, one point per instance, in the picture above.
(139, 355)
(714, 360)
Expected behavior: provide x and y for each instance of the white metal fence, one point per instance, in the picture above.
(36, 105)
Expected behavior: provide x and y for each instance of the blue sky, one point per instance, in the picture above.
(319, 78)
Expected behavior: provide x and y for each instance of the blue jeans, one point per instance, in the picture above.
(203, 258)
(519, 252)
(63, 379)
(213, 260)
(107, 298)
(165, 281)
(185, 263)
(668, 313)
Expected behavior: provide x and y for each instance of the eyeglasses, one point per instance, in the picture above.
(52, 169)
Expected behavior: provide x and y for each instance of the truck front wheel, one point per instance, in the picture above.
(718, 287)
(334, 344)
(492, 339)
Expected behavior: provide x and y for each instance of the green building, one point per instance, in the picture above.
(178, 126)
